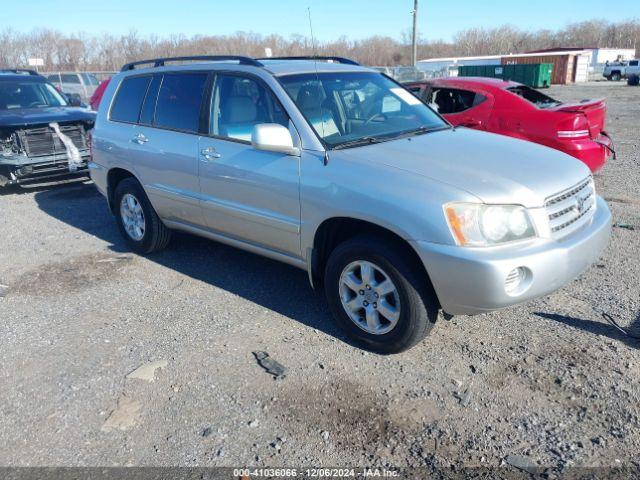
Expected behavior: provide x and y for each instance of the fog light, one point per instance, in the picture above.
(516, 280)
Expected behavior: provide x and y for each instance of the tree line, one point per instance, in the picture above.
(108, 52)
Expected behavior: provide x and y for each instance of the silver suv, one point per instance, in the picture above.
(338, 170)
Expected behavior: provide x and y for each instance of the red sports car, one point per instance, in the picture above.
(512, 109)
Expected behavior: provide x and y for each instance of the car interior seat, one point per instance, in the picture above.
(239, 115)
(313, 104)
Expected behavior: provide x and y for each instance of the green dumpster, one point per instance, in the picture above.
(537, 75)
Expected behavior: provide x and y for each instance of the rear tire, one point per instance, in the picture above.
(616, 77)
(401, 318)
(138, 222)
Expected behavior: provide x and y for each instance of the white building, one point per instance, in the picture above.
(602, 55)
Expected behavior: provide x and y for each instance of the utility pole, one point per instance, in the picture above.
(414, 45)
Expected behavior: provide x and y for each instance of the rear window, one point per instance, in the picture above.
(180, 100)
(70, 78)
(540, 100)
(126, 106)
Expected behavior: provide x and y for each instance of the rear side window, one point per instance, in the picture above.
(70, 78)
(126, 106)
(89, 79)
(149, 107)
(180, 100)
(53, 78)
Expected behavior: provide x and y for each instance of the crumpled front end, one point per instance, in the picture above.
(43, 152)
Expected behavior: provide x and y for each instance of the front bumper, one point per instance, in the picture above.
(38, 170)
(470, 281)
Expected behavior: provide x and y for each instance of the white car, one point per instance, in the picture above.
(83, 84)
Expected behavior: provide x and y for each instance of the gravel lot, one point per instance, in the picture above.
(547, 383)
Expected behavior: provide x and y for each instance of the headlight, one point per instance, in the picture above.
(480, 225)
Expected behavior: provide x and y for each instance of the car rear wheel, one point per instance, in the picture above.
(379, 298)
(615, 77)
(138, 222)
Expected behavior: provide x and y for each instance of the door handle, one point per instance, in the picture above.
(210, 153)
(140, 139)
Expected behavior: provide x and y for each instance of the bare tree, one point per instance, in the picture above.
(82, 51)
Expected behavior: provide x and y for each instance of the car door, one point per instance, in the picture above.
(248, 194)
(462, 107)
(166, 138)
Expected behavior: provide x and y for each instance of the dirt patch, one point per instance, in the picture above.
(74, 275)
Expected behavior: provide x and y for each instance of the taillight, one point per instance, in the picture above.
(576, 126)
(573, 133)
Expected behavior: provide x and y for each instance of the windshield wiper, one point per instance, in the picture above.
(358, 142)
(421, 130)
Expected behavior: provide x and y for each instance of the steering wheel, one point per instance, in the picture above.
(375, 115)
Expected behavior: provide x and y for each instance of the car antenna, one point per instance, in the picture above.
(325, 160)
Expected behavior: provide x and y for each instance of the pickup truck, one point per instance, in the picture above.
(618, 70)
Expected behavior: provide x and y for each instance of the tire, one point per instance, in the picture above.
(155, 235)
(616, 76)
(633, 80)
(418, 305)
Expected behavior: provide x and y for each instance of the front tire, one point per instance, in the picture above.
(138, 222)
(378, 296)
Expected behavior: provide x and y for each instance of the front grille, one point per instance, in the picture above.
(572, 208)
(39, 142)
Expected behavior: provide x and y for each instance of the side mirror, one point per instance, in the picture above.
(74, 99)
(273, 137)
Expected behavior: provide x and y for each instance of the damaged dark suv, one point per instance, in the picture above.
(43, 134)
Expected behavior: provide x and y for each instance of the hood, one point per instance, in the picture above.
(494, 168)
(32, 116)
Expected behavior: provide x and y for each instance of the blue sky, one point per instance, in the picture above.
(438, 19)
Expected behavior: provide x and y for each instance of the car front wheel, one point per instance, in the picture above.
(138, 222)
(378, 296)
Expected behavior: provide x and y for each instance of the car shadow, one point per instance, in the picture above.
(276, 286)
(597, 327)
(42, 187)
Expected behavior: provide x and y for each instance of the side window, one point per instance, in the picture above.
(70, 78)
(150, 100)
(238, 104)
(179, 101)
(451, 100)
(53, 78)
(633, 63)
(126, 106)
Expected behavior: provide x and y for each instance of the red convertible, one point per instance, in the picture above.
(512, 109)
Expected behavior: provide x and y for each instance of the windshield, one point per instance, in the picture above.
(348, 107)
(29, 94)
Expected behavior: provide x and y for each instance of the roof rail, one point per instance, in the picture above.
(346, 61)
(23, 71)
(159, 62)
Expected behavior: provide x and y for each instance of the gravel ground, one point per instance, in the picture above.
(547, 383)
